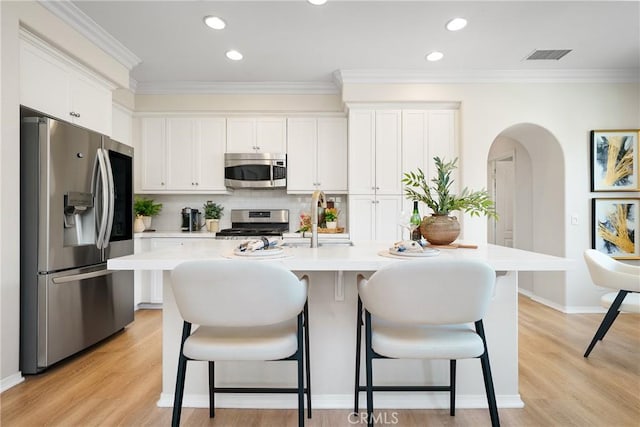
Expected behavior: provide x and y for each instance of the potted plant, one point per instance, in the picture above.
(331, 217)
(146, 208)
(212, 215)
(440, 228)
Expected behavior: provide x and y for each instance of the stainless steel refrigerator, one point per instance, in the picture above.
(76, 204)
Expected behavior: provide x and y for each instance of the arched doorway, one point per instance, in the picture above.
(526, 177)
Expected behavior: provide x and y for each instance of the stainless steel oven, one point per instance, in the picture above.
(255, 170)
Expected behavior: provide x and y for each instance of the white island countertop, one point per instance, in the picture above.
(362, 256)
(332, 271)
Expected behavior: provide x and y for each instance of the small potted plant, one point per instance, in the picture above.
(146, 208)
(212, 215)
(440, 228)
(331, 217)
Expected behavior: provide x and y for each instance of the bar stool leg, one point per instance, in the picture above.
(307, 356)
(356, 394)
(212, 403)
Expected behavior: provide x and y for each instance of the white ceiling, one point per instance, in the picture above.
(287, 42)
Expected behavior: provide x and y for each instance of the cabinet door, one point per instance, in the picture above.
(301, 155)
(442, 140)
(387, 215)
(388, 160)
(241, 135)
(209, 161)
(361, 152)
(332, 155)
(361, 217)
(152, 135)
(271, 135)
(414, 141)
(44, 82)
(91, 104)
(180, 154)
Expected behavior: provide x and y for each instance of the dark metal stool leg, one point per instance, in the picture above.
(369, 369)
(299, 358)
(356, 394)
(307, 357)
(452, 385)
(182, 370)
(212, 382)
(611, 315)
(488, 379)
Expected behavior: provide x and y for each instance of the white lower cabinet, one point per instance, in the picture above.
(375, 217)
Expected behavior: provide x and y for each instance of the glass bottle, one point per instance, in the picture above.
(415, 221)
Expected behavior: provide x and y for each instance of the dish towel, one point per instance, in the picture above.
(259, 244)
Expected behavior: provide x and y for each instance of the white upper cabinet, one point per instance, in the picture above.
(259, 135)
(317, 155)
(375, 152)
(152, 154)
(425, 135)
(182, 155)
(59, 87)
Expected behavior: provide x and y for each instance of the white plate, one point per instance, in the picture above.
(259, 253)
(427, 252)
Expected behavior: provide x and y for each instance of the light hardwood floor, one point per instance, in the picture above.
(118, 383)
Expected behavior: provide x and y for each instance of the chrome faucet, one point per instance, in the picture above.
(317, 197)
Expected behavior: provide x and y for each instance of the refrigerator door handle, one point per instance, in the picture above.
(102, 183)
(81, 276)
(111, 197)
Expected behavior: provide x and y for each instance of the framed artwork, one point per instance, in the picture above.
(614, 160)
(615, 227)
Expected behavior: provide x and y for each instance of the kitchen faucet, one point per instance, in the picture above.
(317, 197)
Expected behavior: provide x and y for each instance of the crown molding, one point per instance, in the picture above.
(487, 76)
(79, 21)
(292, 88)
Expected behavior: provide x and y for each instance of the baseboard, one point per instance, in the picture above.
(572, 309)
(10, 381)
(342, 401)
(149, 306)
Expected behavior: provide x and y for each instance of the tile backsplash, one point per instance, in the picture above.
(169, 218)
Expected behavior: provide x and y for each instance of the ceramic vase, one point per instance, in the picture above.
(332, 224)
(440, 229)
(213, 225)
(138, 225)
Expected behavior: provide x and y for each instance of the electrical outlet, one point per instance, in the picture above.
(574, 219)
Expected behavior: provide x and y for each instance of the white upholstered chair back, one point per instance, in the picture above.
(607, 272)
(434, 291)
(237, 292)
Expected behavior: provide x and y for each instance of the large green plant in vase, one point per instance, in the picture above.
(441, 228)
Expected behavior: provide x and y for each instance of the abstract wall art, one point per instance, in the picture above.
(615, 227)
(614, 160)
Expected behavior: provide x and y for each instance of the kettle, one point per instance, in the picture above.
(190, 219)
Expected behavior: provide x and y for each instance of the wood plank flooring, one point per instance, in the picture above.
(118, 383)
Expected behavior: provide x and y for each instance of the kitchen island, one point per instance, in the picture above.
(332, 271)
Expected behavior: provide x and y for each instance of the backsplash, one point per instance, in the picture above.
(169, 218)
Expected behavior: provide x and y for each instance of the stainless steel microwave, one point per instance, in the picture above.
(255, 170)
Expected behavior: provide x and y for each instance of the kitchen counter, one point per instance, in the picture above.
(332, 271)
(202, 234)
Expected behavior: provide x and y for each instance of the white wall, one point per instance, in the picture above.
(522, 218)
(32, 15)
(568, 111)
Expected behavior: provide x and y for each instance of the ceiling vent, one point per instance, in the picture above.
(547, 54)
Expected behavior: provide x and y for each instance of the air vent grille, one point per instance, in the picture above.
(547, 54)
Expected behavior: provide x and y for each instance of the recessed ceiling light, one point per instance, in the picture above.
(456, 24)
(215, 22)
(435, 56)
(317, 2)
(234, 55)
